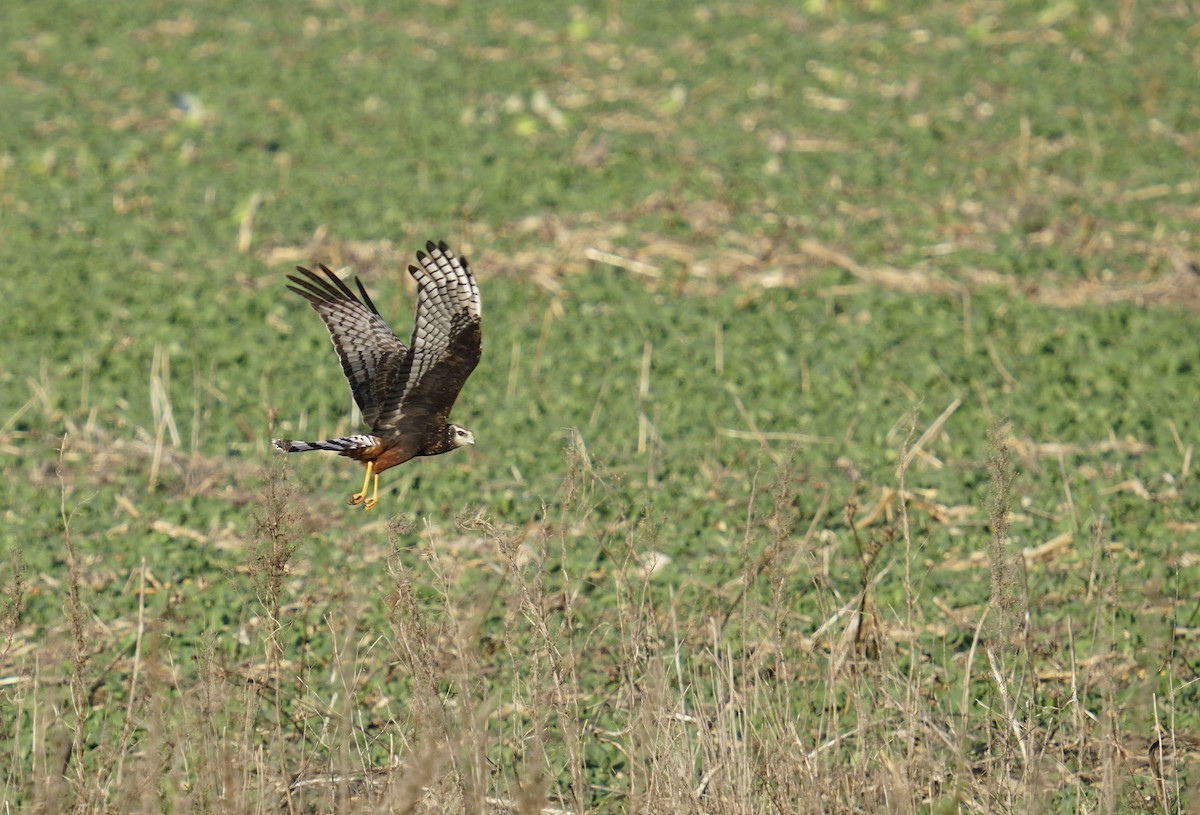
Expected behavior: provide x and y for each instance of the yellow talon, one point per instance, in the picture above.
(357, 498)
(374, 499)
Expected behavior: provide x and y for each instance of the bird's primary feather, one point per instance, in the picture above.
(446, 342)
(368, 349)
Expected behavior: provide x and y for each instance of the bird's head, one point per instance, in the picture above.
(460, 436)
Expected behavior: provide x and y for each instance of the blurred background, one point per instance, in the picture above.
(850, 343)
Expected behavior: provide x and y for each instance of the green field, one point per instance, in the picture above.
(836, 422)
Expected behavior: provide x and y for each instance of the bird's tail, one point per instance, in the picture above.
(345, 445)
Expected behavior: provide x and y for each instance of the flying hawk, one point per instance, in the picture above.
(405, 392)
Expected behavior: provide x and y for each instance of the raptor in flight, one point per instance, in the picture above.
(405, 392)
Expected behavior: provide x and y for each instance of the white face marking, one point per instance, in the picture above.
(462, 436)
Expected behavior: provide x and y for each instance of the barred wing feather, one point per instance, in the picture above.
(446, 343)
(370, 352)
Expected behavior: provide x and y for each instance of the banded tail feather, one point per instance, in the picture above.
(344, 445)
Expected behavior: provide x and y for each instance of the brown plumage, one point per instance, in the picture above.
(405, 392)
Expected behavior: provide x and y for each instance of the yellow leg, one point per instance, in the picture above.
(374, 499)
(357, 498)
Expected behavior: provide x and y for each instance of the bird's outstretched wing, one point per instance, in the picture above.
(371, 354)
(446, 341)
